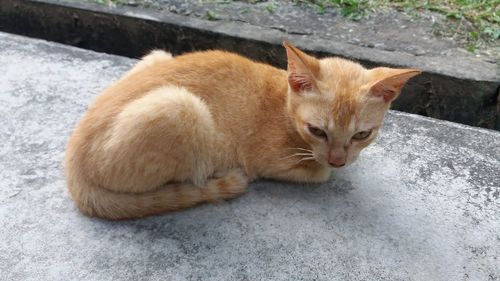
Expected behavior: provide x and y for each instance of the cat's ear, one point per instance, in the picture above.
(387, 83)
(302, 68)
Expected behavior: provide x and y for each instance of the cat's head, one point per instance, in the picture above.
(337, 105)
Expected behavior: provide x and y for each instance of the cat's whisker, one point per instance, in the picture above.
(300, 148)
(306, 159)
(303, 149)
(297, 154)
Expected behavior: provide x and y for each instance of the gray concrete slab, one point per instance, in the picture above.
(421, 204)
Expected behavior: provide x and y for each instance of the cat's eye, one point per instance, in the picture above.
(316, 131)
(362, 135)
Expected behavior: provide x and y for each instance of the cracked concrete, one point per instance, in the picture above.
(421, 204)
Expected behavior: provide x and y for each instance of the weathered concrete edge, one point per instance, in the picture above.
(133, 32)
(446, 123)
(463, 68)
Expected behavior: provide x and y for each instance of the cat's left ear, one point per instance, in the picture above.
(302, 69)
(388, 82)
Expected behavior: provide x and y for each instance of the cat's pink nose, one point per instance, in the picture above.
(337, 162)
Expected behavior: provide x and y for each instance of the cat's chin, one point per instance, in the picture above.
(338, 167)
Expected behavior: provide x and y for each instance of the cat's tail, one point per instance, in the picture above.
(100, 202)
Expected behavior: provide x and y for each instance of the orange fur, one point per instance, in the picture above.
(175, 132)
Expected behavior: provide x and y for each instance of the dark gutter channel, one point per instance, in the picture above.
(446, 90)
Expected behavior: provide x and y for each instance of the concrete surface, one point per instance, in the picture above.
(421, 204)
(382, 30)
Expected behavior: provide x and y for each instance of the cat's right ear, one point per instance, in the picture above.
(302, 69)
(388, 82)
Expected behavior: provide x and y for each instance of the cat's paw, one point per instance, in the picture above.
(237, 176)
(236, 180)
(233, 183)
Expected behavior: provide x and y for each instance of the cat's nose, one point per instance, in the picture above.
(337, 162)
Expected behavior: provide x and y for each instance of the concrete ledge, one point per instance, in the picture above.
(421, 204)
(462, 90)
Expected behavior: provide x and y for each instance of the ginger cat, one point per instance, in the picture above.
(176, 132)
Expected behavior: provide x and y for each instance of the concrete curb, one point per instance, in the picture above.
(464, 90)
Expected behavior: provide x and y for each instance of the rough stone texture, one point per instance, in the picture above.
(384, 30)
(455, 88)
(421, 204)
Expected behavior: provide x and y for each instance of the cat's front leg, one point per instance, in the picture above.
(304, 174)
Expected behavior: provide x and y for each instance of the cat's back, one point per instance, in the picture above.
(224, 80)
(229, 83)
(207, 74)
(211, 73)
